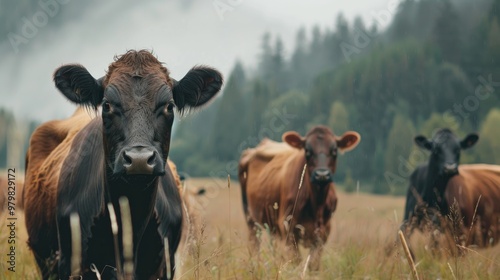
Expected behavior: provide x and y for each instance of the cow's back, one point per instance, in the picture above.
(477, 182)
(49, 145)
(477, 192)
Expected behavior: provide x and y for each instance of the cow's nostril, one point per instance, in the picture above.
(128, 160)
(151, 159)
(141, 160)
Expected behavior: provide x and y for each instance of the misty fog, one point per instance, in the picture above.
(181, 33)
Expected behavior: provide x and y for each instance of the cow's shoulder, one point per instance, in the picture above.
(419, 176)
(50, 144)
(79, 163)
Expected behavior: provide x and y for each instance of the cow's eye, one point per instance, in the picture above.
(106, 107)
(308, 153)
(334, 152)
(170, 107)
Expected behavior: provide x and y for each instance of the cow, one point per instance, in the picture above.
(442, 189)
(116, 144)
(289, 186)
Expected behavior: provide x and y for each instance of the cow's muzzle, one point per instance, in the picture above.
(322, 176)
(140, 160)
(450, 168)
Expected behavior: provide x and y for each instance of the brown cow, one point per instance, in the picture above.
(476, 190)
(81, 164)
(289, 187)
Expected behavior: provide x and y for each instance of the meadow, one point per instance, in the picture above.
(363, 245)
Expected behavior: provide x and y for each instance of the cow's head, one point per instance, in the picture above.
(138, 98)
(321, 148)
(445, 150)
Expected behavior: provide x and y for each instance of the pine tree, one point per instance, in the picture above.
(447, 33)
(397, 150)
(338, 120)
(230, 129)
(488, 147)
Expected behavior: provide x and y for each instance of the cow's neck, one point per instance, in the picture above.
(318, 195)
(435, 187)
(141, 195)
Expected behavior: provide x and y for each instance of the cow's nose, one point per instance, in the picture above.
(451, 168)
(140, 161)
(322, 175)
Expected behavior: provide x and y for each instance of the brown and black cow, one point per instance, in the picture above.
(117, 146)
(289, 186)
(441, 185)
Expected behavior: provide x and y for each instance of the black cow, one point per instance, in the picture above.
(80, 164)
(428, 182)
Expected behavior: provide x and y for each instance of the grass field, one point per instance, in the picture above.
(364, 229)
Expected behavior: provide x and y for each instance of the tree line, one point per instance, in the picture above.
(436, 65)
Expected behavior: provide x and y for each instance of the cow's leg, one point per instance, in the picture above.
(321, 234)
(151, 260)
(65, 246)
(315, 259)
(293, 253)
(292, 247)
(150, 253)
(64, 233)
(254, 236)
(45, 259)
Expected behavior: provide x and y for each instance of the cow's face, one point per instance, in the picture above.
(138, 99)
(321, 148)
(445, 150)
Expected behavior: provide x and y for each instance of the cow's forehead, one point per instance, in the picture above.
(136, 65)
(445, 140)
(132, 90)
(320, 140)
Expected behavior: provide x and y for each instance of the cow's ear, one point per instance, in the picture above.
(469, 141)
(196, 88)
(423, 142)
(348, 141)
(293, 139)
(76, 83)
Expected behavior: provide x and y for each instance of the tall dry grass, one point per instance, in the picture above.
(364, 229)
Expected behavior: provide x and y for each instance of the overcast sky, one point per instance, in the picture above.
(181, 33)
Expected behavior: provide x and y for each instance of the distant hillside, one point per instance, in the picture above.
(429, 69)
